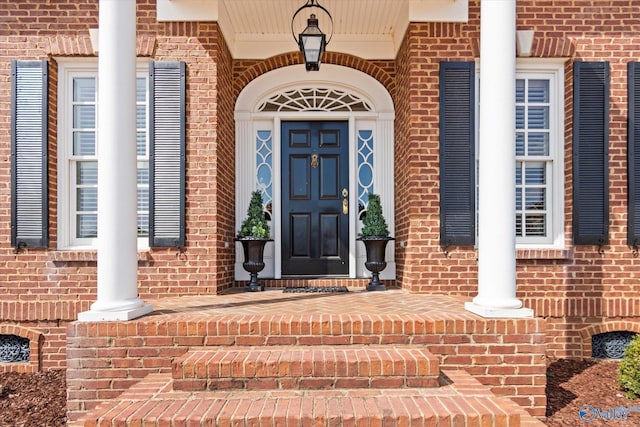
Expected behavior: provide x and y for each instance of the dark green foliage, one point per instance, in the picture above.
(374, 223)
(629, 372)
(255, 225)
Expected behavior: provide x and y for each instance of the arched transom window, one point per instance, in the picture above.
(314, 99)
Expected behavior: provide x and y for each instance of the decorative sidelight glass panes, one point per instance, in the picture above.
(264, 167)
(365, 168)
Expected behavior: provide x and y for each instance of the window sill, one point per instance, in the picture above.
(549, 254)
(88, 256)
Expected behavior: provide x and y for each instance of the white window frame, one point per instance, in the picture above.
(551, 69)
(68, 69)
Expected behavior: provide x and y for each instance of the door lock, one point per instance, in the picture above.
(345, 202)
(314, 161)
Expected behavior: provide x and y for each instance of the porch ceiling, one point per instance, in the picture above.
(258, 29)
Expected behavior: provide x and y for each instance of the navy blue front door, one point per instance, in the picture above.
(315, 183)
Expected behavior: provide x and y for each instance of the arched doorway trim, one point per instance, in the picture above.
(329, 75)
(333, 93)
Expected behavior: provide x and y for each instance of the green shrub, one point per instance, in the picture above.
(629, 371)
(373, 223)
(255, 225)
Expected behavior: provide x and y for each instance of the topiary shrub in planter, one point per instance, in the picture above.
(254, 234)
(629, 371)
(375, 236)
(255, 225)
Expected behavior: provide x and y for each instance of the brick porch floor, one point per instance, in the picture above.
(274, 358)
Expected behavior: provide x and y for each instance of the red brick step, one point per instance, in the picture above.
(305, 367)
(462, 402)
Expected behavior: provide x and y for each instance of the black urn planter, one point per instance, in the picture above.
(375, 263)
(253, 261)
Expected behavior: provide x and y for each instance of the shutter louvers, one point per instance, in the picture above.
(457, 153)
(633, 153)
(29, 193)
(167, 154)
(591, 153)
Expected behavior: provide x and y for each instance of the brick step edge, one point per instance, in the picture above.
(284, 367)
(464, 401)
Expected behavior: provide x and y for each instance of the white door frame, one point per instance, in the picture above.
(379, 118)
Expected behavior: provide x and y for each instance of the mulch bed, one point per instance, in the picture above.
(581, 392)
(33, 400)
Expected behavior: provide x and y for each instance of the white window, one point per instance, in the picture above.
(538, 145)
(77, 154)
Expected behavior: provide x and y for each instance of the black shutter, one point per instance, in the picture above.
(457, 153)
(633, 153)
(167, 154)
(591, 153)
(29, 195)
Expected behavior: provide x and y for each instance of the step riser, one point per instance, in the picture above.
(312, 367)
(303, 383)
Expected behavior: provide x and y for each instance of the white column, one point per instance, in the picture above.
(496, 222)
(117, 218)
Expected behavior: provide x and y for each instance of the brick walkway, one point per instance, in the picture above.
(274, 358)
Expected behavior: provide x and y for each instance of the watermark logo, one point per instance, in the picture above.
(589, 413)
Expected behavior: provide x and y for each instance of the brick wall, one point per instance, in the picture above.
(423, 266)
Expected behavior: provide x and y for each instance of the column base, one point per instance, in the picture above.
(116, 315)
(498, 313)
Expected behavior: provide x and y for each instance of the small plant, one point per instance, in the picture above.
(373, 223)
(255, 225)
(629, 371)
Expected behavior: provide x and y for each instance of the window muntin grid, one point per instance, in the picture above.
(83, 159)
(533, 159)
(539, 132)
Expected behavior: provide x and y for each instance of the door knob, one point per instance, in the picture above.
(345, 202)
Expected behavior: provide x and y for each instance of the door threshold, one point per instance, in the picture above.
(314, 277)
